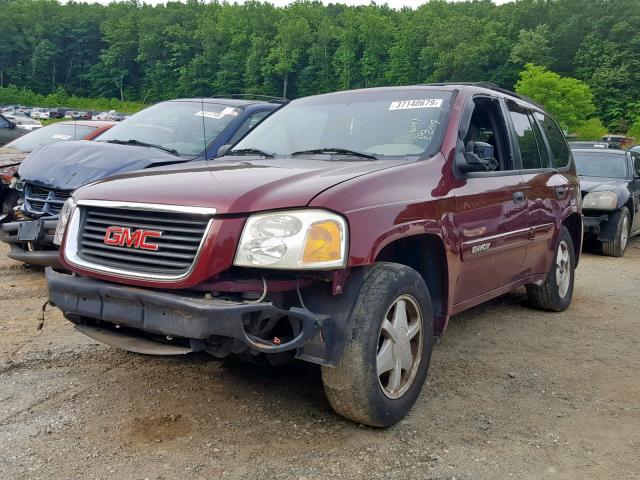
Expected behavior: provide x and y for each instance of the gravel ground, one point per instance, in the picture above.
(512, 393)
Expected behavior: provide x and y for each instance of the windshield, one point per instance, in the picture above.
(186, 127)
(601, 164)
(394, 123)
(50, 134)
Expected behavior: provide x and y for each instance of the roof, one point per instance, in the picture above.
(87, 123)
(450, 87)
(600, 150)
(235, 100)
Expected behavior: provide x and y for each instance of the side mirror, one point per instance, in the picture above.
(12, 124)
(478, 157)
(223, 150)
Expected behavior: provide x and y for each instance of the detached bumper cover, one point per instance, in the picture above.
(20, 234)
(172, 314)
(603, 226)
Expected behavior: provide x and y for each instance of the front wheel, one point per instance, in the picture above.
(386, 357)
(557, 290)
(617, 246)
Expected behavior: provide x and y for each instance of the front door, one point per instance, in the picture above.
(491, 212)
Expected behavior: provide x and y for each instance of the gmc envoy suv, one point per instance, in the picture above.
(345, 229)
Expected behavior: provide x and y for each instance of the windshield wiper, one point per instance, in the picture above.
(334, 151)
(248, 151)
(138, 143)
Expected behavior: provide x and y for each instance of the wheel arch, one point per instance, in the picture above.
(573, 223)
(426, 254)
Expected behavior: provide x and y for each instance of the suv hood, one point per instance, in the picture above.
(69, 165)
(601, 184)
(237, 186)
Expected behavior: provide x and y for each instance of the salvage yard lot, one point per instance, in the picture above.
(512, 393)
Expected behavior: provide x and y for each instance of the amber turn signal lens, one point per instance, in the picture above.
(323, 243)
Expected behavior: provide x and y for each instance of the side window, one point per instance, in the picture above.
(557, 144)
(528, 141)
(488, 126)
(251, 121)
(636, 164)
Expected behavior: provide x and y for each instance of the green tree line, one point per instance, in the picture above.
(142, 53)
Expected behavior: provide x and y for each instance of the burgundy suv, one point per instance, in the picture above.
(345, 230)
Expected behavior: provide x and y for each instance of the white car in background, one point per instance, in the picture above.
(23, 121)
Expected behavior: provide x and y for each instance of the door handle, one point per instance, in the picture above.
(519, 197)
(561, 192)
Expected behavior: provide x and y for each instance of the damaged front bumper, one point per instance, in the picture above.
(31, 241)
(602, 226)
(102, 308)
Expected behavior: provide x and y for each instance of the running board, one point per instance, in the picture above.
(131, 343)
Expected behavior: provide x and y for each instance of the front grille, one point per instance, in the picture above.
(43, 202)
(178, 244)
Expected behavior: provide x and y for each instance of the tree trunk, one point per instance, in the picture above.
(122, 88)
(284, 87)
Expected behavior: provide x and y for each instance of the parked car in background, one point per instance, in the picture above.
(12, 154)
(41, 113)
(111, 115)
(610, 183)
(345, 229)
(171, 132)
(635, 148)
(22, 121)
(78, 115)
(617, 141)
(9, 130)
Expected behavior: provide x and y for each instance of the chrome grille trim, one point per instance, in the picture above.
(74, 231)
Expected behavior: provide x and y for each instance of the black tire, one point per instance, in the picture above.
(353, 387)
(551, 295)
(617, 246)
(9, 201)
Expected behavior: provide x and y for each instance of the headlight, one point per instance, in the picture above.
(296, 239)
(600, 201)
(67, 209)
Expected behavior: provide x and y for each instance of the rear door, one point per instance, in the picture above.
(634, 188)
(550, 189)
(491, 211)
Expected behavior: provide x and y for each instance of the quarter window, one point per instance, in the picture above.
(557, 144)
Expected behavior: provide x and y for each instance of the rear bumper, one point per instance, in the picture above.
(192, 318)
(38, 249)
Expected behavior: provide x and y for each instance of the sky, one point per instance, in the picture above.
(280, 3)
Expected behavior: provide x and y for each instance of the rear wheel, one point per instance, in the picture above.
(617, 246)
(386, 358)
(557, 290)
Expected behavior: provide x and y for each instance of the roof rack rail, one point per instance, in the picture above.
(494, 87)
(269, 98)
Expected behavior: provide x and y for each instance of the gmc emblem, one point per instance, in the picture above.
(123, 237)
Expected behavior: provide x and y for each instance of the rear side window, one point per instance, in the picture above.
(557, 144)
(528, 141)
(636, 164)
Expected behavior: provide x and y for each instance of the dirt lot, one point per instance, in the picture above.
(512, 393)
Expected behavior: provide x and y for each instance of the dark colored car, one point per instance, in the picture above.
(610, 183)
(346, 229)
(171, 132)
(12, 154)
(9, 131)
